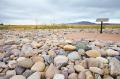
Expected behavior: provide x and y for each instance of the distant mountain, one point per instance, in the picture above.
(83, 22)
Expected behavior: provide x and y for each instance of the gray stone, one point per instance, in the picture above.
(19, 70)
(117, 57)
(12, 64)
(16, 52)
(27, 73)
(3, 65)
(114, 66)
(97, 76)
(48, 59)
(60, 60)
(74, 56)
(35, 75)
(27, 50)
(25, 62)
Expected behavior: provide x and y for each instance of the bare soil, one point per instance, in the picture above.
(93, 36)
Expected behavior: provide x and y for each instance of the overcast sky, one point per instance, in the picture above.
(57, 11)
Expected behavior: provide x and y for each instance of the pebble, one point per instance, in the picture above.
(3, 65)
(96, 70)
(51, 71)
(35, 75)
(111, 52)
(11, 72)
(19, 70)
(81, 45)
(27, 51)
(48, 59)
(69, 47)
(72, 76)
(51, 53)
(97, 76)
(18, 77)
(93, 53)
(103, 60)
(114, 66)
(12, 64)
(117, 57)
(38, 66)
(82, 75)
(107, 77)
(92, 62)
(37, 59)
(16, 52)
(74, 56)
(58, 76)
(81, 51)
(35, 44)
(27, 73)
(60, 60)
(24, 62)
(79, 68)
(89, 75)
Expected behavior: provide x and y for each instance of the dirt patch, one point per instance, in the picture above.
(93, 36)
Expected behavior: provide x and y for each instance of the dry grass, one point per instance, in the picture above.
(55, 26)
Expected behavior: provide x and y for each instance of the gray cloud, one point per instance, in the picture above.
(57, 11)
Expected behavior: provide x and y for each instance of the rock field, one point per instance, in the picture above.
(47, 54)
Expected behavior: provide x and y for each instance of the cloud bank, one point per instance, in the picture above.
(57, 11)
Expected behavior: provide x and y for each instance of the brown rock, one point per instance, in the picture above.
(69, 47)
(93, 53)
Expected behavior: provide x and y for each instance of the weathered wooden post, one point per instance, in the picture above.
(102, 20)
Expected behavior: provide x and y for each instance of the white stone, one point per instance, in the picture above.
(58, 76)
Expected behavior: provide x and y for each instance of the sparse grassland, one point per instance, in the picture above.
(55, 26)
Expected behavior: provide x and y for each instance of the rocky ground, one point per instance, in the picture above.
(47, 54)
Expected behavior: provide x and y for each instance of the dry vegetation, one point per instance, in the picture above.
(55, 26)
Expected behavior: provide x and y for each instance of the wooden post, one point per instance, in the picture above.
(101, 26)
